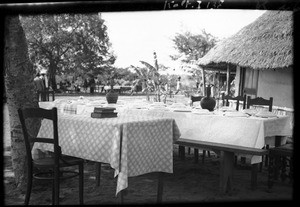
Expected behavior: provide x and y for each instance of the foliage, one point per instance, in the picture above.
(67, 43)
(191, 47)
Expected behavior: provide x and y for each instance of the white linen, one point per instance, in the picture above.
(146, 142)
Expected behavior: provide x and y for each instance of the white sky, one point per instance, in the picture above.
(136, 35)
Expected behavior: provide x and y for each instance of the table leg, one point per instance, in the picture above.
(196, 155)
(98, 173)
(277, 158)
(226, 171)
(181, 152)
(254, 172)
(160, 187)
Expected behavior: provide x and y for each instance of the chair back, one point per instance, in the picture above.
(39, 113)
(45, 95)
(260, 101)
(226, 98)
(195, 98)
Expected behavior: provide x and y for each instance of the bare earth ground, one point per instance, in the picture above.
(190, 183)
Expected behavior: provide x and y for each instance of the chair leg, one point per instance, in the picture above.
(29, 187)
(266, 157)
(270, 172)
(56, 186)
(81, 177)
(53, 192)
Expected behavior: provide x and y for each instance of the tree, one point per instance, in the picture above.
(191, 47)
(19, 86)
(67, 43)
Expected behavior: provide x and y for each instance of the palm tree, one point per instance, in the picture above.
(20, 91)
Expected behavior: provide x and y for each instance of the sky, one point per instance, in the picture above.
(136, 35)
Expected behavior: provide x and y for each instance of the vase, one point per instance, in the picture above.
(112, 97)
(208, 102)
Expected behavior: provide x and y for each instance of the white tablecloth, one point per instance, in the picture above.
(253, 132)
(146, 142)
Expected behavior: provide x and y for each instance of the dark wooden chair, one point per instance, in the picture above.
(259, 101)
(238, 99)
(280, 159)
(54, 163)
(45, 95)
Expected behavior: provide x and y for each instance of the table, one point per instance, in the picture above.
(131, 145)
(253, 131)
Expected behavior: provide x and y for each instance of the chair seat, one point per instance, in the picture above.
(49, 161)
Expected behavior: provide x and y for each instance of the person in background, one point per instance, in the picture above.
(85, 85)
(178, 85)
(39, 85)
(92, 85)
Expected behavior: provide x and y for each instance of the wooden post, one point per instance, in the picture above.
(203, 82)
(227, 80)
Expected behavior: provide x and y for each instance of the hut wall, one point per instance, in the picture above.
(277, 84)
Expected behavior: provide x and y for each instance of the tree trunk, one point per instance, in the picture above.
(52, 73)
(20, 92)
(203, 82)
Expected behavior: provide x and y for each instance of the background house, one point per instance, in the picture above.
(261, 56)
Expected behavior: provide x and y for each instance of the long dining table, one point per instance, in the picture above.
(132, 145)
(251, 132)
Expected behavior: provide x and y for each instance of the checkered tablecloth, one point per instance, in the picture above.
(131, 145)
(253, 132)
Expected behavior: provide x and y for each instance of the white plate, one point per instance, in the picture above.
(226, 108)
(236, 114)
(181, 110)
(265, 114)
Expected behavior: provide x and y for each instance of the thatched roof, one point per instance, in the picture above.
(267, 43)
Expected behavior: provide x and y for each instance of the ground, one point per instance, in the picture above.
(190, 183)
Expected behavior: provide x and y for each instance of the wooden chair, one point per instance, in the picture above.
(259, 101)
(45, 95)
(54, 163)
(280, 158)
(226, 98)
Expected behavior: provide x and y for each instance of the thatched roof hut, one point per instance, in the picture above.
(267, 43)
